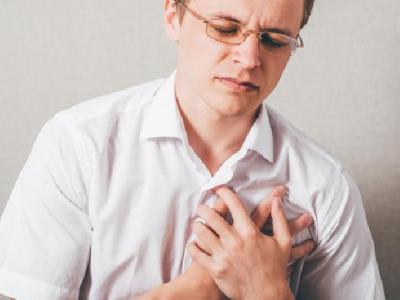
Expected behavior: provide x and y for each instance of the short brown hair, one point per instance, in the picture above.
(308, 5)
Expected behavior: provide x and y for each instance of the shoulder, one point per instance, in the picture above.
(112, 106)
(314, 176)
(303, 153)
(94, 122)
(317, 180)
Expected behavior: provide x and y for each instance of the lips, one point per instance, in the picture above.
(238, 85)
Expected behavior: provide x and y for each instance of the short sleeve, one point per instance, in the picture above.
(343, 266)
(45, 232)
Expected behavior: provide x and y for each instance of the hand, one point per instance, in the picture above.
(261, 218)
(244, 263)
(195, 283)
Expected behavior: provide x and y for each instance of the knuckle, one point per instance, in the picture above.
(250, 234)
(192, 250)
(203, 211)
(208, 215)
(220, 269)
(287, 243)
(236, 244)
(199, 229)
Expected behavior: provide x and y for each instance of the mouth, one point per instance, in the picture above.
(237, 85)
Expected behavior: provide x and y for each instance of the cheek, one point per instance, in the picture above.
(275, 69)
(210, 54)
(272, 73)
(202, 58)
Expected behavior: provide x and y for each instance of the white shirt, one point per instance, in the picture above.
(103, 207)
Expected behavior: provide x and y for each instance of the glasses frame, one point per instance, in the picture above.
(295, 42)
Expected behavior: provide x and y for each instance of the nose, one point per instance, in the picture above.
(247, 54)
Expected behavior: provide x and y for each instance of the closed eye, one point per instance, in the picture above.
(224, 27)
(267, 41)
(226, 30)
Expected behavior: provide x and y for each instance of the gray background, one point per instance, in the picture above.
(342, 89)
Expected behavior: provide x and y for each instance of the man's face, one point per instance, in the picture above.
(210, 71)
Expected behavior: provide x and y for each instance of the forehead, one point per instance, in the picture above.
(256, 13)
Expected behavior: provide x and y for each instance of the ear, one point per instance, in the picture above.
(171, 20)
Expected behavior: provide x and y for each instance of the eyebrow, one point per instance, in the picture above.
(220, 15)
(280, 30)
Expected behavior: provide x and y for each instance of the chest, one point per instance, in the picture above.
(142, 220)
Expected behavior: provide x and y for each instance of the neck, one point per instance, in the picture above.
(212, 136)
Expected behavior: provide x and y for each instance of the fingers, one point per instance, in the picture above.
(280, 225)
(239, 214)
(207, 241)
(220, 207)
(301, 250)
(300, 223)
(278, 192)
(199, 256)
(263, 210)
(213, 220)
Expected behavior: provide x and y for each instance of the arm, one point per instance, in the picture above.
(45, 232)
(343, 266)
(196, 281)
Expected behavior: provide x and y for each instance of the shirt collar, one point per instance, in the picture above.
(163, 120)
(260, 138)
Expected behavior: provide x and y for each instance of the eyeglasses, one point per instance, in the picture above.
(234, 33)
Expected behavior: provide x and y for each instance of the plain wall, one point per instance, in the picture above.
(342, 89)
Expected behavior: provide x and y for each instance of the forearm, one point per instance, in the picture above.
(166, 291)
(185, 288)
(278, 291)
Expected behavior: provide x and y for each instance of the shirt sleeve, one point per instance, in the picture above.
(45, 233)
(343, 266)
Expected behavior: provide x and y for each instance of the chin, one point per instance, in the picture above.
(240, 105)
(231, 107)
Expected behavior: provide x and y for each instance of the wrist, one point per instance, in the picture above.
(166, 291)
(283, 292)
(194, 284)
(275, 291)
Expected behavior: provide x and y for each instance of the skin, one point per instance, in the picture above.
(217, 118)
(198, 283)
(244, 263)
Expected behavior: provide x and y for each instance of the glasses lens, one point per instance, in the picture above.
(277, 44)
(224, 31)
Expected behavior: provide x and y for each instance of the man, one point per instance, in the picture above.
(104, 207)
